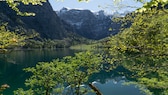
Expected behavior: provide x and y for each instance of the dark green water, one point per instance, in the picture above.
(11, 72)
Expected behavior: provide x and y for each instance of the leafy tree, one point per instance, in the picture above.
(15, 3)
(20, 91)
(62, 76)
(159, 4)
(9, 39)
(148, 5)
(142, 49)
(45, 77)
(83, 65)
(147, 35)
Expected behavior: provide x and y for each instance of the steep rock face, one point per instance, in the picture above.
(46, 22)
(88, 24)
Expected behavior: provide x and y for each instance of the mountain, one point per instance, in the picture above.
(45, 22)
(88, 24)
(53, 32)
(68, 28)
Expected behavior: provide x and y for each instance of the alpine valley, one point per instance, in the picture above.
(63, 28)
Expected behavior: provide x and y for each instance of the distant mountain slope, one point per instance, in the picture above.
(88, 24)
(46, 22)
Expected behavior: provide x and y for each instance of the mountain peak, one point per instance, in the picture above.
(88, 24)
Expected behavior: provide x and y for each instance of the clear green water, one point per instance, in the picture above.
(11, 72)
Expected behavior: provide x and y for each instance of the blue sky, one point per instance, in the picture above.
(95, 5)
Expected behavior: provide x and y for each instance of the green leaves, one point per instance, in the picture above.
(14, 5)
(20, 91)
(142, 49)
(147, 35)
(45, 77)
(148, 5)
(158, 4)
(79, 68)
(10, 39)
(56, 76)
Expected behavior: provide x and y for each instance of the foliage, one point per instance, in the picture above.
(10, 39)
(20, 91)
(148, 5)
(3, 87)
(153, 4)
(147, 35)
(142, 49)
(83, 65)
(63, 76)
(44, 77)
(15, 3)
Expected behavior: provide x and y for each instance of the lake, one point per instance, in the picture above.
(11, 72)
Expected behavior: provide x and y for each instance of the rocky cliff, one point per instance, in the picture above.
(88, 24)
(45, 22)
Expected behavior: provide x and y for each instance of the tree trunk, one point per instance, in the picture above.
(95, 89)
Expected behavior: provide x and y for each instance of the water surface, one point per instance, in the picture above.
(11, 72)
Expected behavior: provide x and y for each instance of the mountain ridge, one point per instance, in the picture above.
(88, 24)
(45, 22)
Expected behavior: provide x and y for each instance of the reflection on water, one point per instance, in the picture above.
(113, 87)
(31, 57)
(11, 73)
(11, 65)
(113, 83)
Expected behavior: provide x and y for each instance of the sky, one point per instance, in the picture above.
(96, 5)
